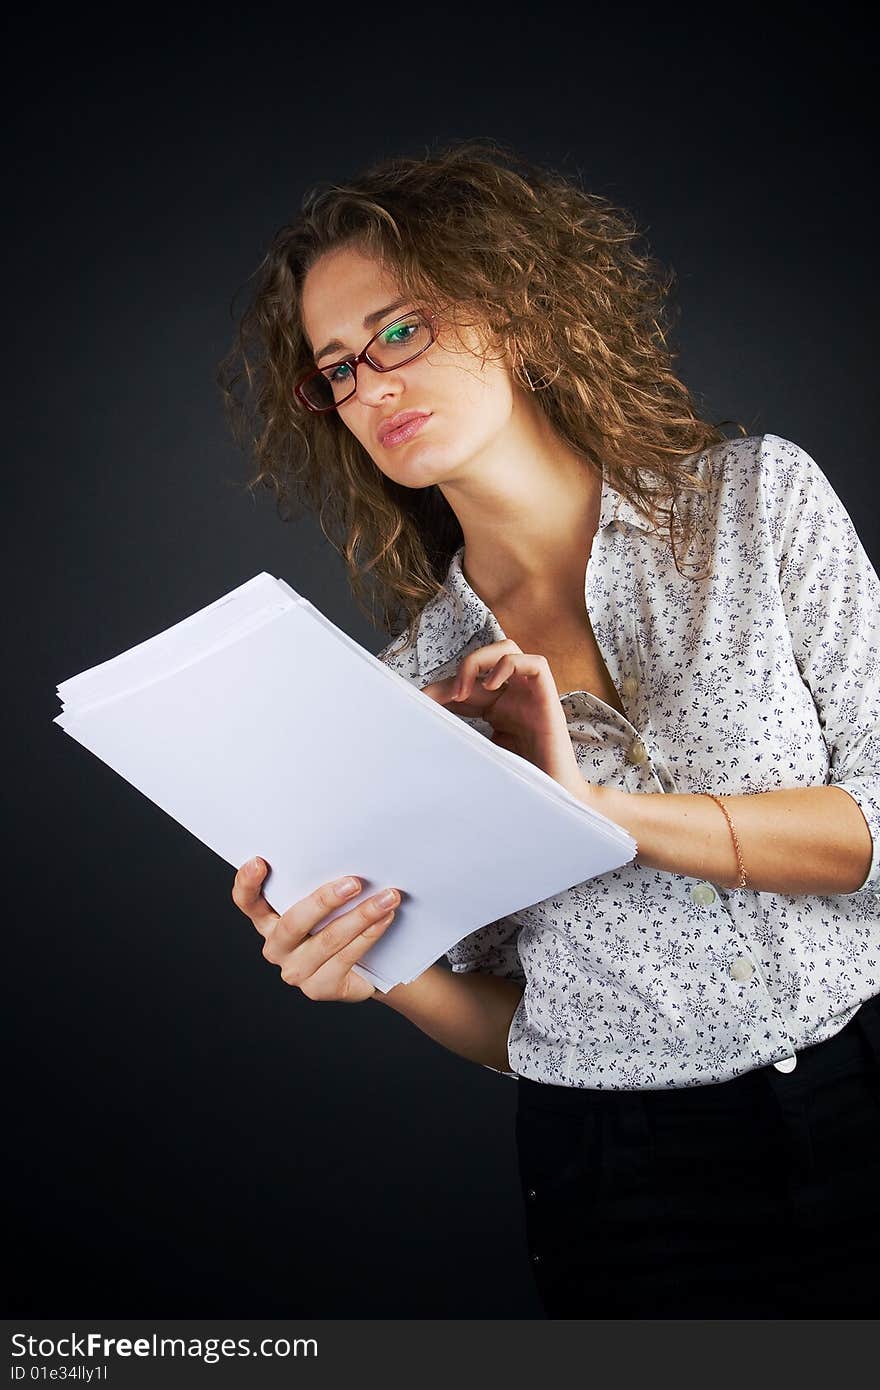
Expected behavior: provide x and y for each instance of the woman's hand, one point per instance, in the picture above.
(319, 965)
(518, 697)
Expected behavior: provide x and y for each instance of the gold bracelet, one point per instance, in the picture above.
(743, 878)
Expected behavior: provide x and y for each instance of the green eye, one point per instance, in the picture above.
(400, 334)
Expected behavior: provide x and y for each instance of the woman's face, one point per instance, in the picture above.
(470, 402)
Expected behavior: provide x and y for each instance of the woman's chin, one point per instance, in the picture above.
(413, 467)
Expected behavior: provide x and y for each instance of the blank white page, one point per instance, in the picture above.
(285, 742)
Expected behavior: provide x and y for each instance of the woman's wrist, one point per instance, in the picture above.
(467, 1012)
(682, 833)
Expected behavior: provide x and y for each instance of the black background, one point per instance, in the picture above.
(189, 1136)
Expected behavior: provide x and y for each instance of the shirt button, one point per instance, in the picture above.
(532, 1194)
(637, 752)
(536, 1259)
(787, 1064)
(742, 968)
(703, 893)
(629, 686)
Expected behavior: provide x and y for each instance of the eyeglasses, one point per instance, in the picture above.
(393, 346)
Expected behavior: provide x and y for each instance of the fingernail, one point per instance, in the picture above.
(255, 866)
(345, 886)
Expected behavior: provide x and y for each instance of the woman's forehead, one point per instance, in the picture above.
(340, 289)
(345, 271)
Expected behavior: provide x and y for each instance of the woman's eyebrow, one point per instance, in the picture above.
(334, 345)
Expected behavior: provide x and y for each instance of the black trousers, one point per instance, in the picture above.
(755, 1198)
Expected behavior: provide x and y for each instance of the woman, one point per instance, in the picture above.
(460, 364)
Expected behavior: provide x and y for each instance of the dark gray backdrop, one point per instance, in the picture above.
(189, 1136)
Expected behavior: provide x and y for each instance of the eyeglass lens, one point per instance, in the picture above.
(392, 346)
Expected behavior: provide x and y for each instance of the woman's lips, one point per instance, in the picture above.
(405, 432)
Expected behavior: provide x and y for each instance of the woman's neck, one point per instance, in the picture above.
(528, 511)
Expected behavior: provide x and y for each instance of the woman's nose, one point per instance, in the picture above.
(373, 386)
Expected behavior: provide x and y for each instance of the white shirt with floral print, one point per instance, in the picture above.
(764, 675)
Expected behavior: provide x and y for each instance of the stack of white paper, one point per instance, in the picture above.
(264, 729)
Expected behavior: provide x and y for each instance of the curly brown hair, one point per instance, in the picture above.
(552, 272)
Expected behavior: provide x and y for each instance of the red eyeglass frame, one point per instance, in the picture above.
(363, 356)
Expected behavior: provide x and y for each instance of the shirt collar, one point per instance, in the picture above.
(457, 617)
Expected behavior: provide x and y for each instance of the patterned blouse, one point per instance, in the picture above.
(764, 675)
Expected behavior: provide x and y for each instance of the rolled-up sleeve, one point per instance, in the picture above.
(493, 950)
(831, 595)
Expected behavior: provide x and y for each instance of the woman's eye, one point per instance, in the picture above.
(335, 372)
(399, 335)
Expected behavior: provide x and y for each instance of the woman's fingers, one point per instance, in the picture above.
(294, 931)
(498, 672)
(317, 958)
(331, 978)
(247, 895)
(497, 678)
(484, 658)
(485, 674)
